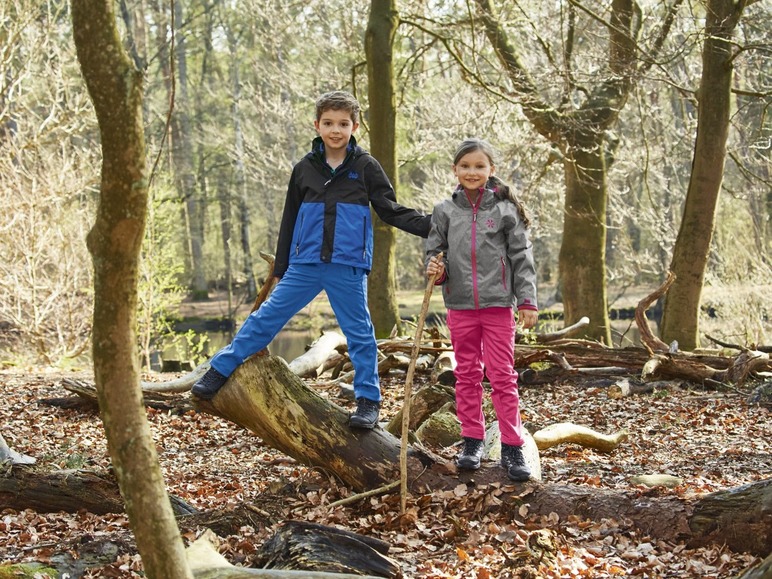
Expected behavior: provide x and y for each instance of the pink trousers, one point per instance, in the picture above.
(484, 343)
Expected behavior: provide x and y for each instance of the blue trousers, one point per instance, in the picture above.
(346, 288)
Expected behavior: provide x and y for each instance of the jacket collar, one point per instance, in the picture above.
(488, 198)
(317, 148)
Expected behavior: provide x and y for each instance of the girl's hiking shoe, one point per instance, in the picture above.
(513, 461)
(471, 454)
(366, 415)
(208, 385)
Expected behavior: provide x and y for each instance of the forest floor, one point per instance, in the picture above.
(713, 440)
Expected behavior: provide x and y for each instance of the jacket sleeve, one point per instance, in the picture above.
(520, 254)
(384, 202)
(438, 240)
(291, 208)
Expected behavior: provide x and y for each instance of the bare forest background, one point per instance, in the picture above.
(229, 91)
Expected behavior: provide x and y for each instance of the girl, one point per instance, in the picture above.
(488, 268)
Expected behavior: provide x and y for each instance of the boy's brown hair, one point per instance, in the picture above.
(338, 100)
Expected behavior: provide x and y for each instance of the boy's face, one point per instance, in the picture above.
(335, 128)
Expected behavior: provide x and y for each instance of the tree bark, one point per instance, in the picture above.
(379, 39)
(116, 89)
(681, 313)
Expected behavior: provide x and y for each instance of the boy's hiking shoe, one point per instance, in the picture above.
(366, 415)
(471, 454)
(513, 461)
(208, 385)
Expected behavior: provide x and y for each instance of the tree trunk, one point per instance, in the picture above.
(240, 173)
(116, 89)
(182, 158)
(680, 319)
(379, 40)
(583, 249)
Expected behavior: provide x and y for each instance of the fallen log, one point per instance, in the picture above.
(67, 490)
(63, 490)
(558, 334)
(207, 563)
(299, 545)
(736, 517)
(625, 388)
(567, 432)
(442, 371)
(761, 570)
(311, 363)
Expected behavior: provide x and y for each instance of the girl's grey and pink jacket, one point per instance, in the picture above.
(488, 254)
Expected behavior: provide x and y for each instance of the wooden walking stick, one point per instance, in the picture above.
(409, 389)
(270, 281)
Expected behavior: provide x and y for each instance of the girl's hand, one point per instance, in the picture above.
(527, 318)
(435, 267)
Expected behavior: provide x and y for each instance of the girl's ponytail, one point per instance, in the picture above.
(504, 191)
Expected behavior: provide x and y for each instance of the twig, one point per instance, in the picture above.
(648, 338)
(364, 495)
(409, 388)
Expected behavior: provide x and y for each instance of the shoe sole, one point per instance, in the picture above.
(468, 465)
(521, 476)
(362, 425)
(202, 395)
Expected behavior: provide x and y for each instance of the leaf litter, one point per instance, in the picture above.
(712, 440)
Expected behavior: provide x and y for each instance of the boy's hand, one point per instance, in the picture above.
(527, 318)
(435, 267)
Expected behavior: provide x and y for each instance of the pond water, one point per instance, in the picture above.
(291, 343)
(288, 344)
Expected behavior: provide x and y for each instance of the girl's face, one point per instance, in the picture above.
(473, 170)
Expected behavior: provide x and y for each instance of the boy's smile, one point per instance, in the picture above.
(335, 127)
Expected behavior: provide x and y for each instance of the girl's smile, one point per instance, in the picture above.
(473, 170)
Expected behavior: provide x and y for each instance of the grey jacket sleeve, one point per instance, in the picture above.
(520, 255)
(438, 237)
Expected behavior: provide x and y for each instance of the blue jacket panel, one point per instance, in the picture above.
(327, 212)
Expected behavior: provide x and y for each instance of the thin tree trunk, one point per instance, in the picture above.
(116, 89)
(379, 39)
(681, 315)
(240, 174)
(184, 176)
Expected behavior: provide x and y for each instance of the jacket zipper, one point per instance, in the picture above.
(475, 289)
(364, 238)
(300, 235)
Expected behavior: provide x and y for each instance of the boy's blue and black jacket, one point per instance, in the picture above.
(327, 213)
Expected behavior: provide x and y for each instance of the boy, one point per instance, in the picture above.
(326, 243)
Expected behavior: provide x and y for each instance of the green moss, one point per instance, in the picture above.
(30, 570)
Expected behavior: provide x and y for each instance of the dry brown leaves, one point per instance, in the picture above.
(712, 440)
